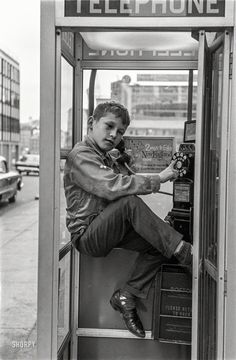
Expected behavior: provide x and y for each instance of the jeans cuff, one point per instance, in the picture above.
(173, 245)
(136, 292)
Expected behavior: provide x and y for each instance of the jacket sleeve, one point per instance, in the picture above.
(88, 171)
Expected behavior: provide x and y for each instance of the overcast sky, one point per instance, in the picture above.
(19, 37)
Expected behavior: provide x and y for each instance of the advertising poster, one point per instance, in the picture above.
(149, 154)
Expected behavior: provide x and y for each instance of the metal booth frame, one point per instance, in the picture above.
(53, 22)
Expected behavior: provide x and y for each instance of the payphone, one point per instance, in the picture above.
(173, 295)
(181, 215)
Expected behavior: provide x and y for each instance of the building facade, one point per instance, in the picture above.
(9, 107)
(29, 137)
(157, 103)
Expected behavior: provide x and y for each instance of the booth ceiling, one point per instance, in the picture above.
(139, 40)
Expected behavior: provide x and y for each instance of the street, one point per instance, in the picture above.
(26, 195)
(19, 261)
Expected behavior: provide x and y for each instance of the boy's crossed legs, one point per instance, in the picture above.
(130, 224)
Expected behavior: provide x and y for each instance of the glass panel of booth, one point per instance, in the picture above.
(64, 233)
(66, 103)
(63, 322)
(210, 290)
(157, 100)
(212, 238)
(215, 149)
(66, 137)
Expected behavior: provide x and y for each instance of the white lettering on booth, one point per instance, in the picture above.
(138, 3)
(92, 9)
(140, 53)
(158, 2)
(78, 6)
(174, 9)
(123, 10)
(108, 10)
(158, 7)
(198, 4)
(122, 52)
(209, 8)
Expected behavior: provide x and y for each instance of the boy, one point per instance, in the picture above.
(104, 211)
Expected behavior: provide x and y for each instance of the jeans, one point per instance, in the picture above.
(130, 224)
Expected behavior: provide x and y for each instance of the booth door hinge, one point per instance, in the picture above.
(230, 65)
(225, 283)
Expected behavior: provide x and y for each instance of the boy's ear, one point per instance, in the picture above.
(90, 122)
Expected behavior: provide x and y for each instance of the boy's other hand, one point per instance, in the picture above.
(170, 173)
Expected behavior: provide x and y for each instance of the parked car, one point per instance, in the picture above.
(28, 163)
(10, 182)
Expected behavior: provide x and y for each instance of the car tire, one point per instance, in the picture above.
(19, 185)
(12, 199)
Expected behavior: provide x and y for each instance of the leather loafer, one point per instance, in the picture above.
(124, 303)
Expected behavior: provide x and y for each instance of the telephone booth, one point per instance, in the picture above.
(172, 64)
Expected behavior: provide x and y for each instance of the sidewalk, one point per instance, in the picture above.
(18, 280)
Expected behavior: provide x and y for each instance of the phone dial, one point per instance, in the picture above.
(182, 163)
(184, 160)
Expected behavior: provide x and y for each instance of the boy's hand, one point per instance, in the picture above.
(169, 173)
(124, 158)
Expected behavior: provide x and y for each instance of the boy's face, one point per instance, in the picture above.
(107, 131)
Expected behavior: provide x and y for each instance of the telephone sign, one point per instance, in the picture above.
(145, 8)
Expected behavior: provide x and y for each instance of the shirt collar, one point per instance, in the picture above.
(105, 155)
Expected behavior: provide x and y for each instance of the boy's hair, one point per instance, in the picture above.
(112, 107)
